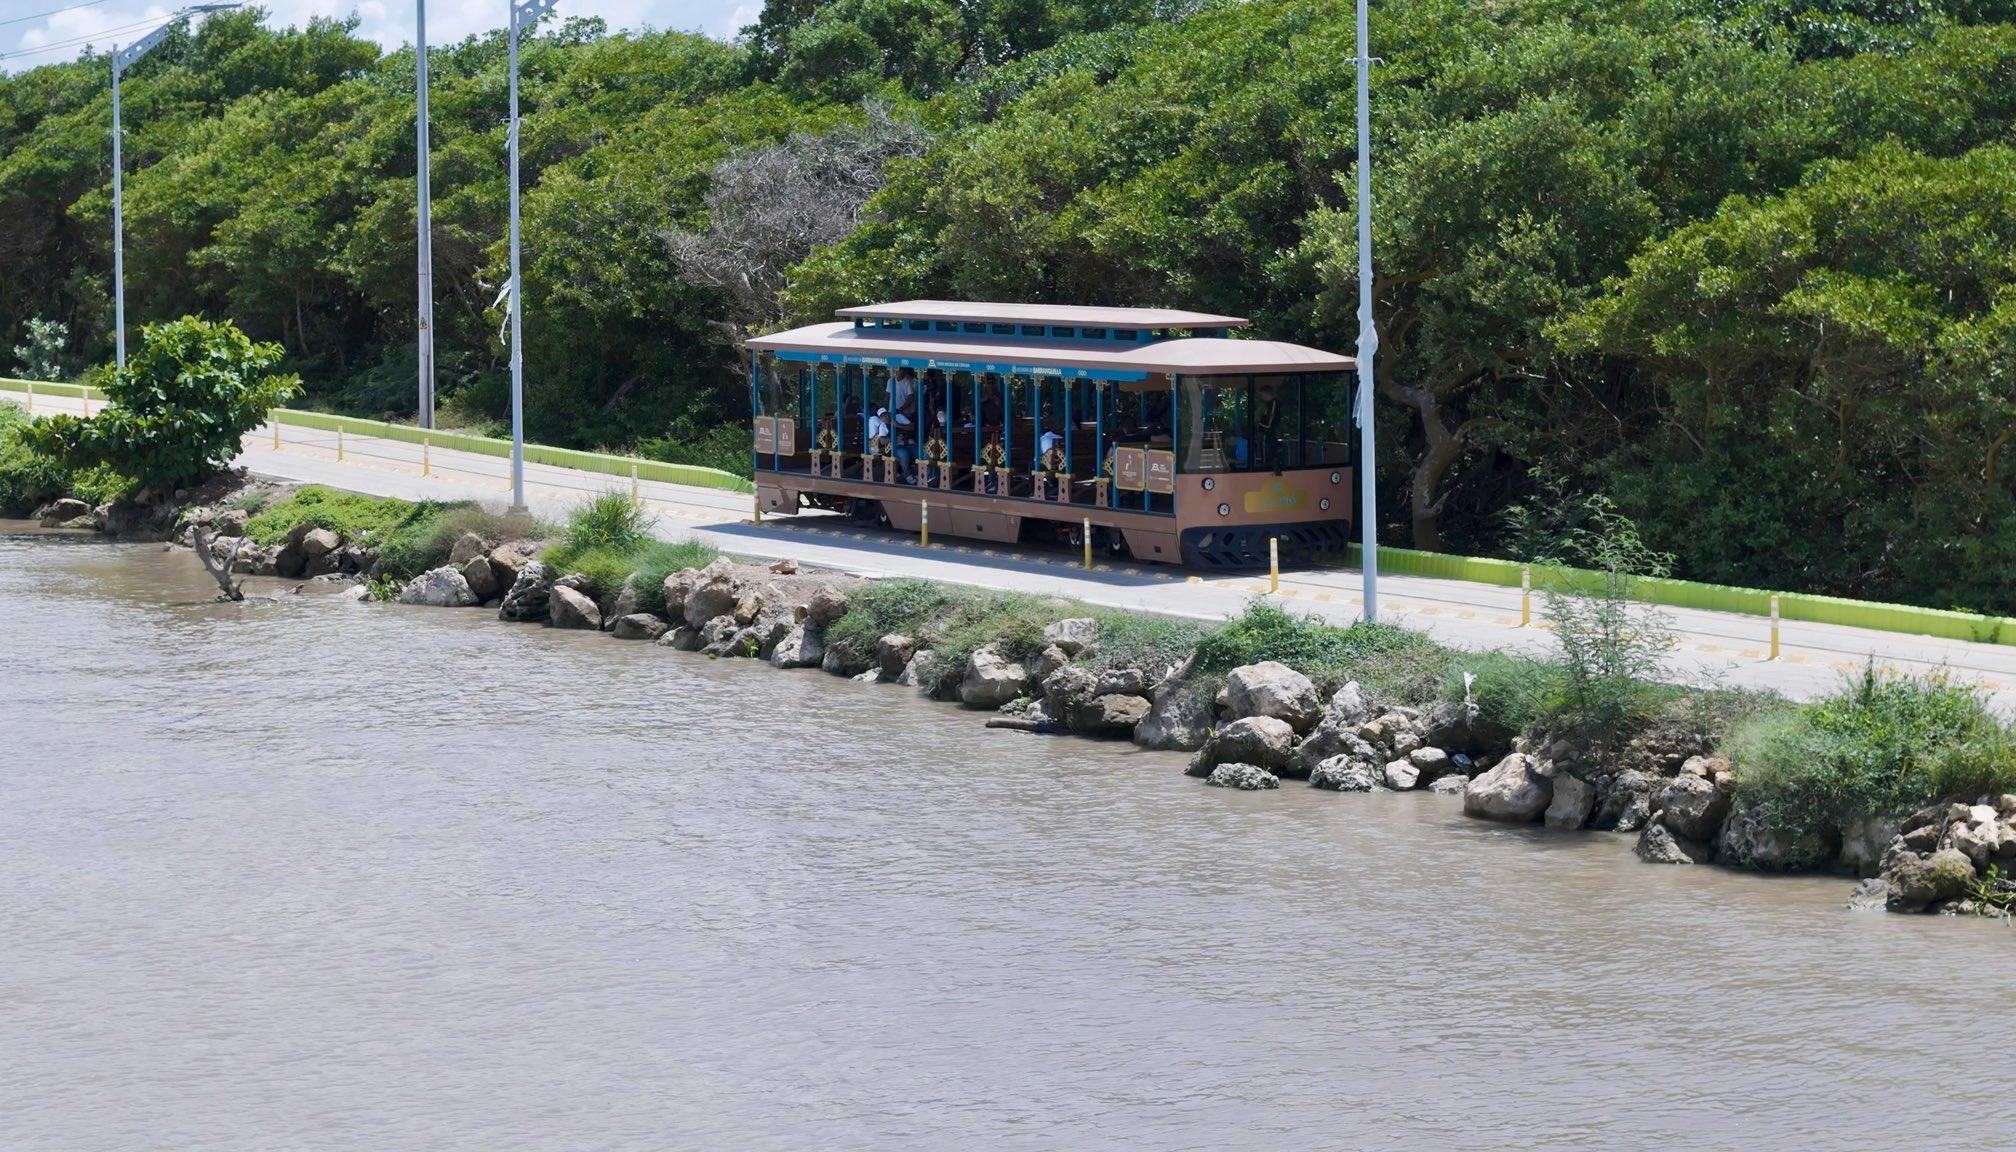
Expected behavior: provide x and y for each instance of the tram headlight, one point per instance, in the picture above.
(1209, 483)
(1224, 509)
(1324, 504)
(1336, 477)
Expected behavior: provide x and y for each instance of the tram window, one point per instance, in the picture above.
(1093, 333)
(1004, 329)
(1126, 334)
(1032, 329)
(947, 326)
(885, 322)
(975, 326)
(920, 326)
(1067, 333)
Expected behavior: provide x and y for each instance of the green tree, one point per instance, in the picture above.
(179, 408)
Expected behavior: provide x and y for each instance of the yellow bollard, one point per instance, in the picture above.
(1525, 595)
(339, 442)
(759, 508)
(87, 403)
(1273, 564)
(31, 396)
(426, 461)
(1774, 626)
(924, 527)
(276, 432)
(636, 499)
(1088, 543)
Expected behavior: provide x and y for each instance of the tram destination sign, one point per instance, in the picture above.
(1161, 470)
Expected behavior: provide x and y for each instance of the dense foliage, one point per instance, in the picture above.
(178, 411)
(1743, 266)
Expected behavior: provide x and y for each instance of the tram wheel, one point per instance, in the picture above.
(869, 514)
(1113, 543)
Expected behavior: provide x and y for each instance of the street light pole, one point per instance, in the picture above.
(1368, 333)
(522, 15)
(424, 220)
(122, 60)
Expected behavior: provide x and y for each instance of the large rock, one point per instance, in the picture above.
(1863, 843)
(804, 646)
(826, 605)
(510, 561)
(722, 636)
(1110, 715)
(439, 588)
(1179, 721)
(231, 522)
(1275, 690)
(992, 679)
(1918, 882)
(573, 608)
(626, 599)
(638, 626)
(1244, 777)
(481, 576)
(1748, 840)
(1401, 776)
(467, 547)
(1624, 801)
(1514, 790)
(845, 660)
(1693, 807)
(713, 594)
(1344, 774)
(893, 654)
(1573, 799)
(1263, 740)
(1330, 740)
(1347, 707)
(1658, 845)
(1068, 686)
(1072, 636)
(319, 542)
(61, 513)
(529, 599)
(289, 561)
(1122, 682)
(1432, 763)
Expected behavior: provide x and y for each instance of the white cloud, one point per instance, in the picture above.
(389, 22)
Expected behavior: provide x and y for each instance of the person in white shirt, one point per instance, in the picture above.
(896, 429)
(902, 389)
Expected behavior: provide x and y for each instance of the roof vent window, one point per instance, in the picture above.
(1066, 333)
(975, 326)
(947, 326)
(1094, 333)
(920, 325)
(1126, 334)
(1004, 329)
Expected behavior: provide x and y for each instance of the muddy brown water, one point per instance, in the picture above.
(311, 874)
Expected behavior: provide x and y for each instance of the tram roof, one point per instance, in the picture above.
(1073, 314)
(842, 342)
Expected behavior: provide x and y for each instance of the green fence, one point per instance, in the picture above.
(657, 470)
(1720, 598)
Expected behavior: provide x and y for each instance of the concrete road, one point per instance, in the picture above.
(1717, 647)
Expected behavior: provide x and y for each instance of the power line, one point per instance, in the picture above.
(79, 41)
(51, 12)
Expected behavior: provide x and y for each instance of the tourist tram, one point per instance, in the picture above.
(1151, 428)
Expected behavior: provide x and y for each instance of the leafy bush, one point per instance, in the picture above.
(601, 541)
(426, 541)
(27, 478)
(1519, 693)
(1882, 746)
(179, 408)
(43, 356)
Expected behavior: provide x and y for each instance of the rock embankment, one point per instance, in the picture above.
(1249, 730)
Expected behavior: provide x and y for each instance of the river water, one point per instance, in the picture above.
(311, 874)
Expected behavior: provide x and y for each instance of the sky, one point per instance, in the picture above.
(29, 25)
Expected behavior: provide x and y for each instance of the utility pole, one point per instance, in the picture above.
(1368, 333)
(523, 15)
(122, 60)
(424, 219)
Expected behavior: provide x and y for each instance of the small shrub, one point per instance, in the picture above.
(1518, 693)
(1882, 746)
(28, 478)
(607, 521)
(1389, 660)
(252, 501)
(657, 559)
(605, 567)
(347, 514)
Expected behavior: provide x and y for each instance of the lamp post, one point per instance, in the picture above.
(522, 15)
(123, 59)
(1368, 333)
(424, 219)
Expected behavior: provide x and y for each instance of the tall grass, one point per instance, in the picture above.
(608, 539)
(1881, 746)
